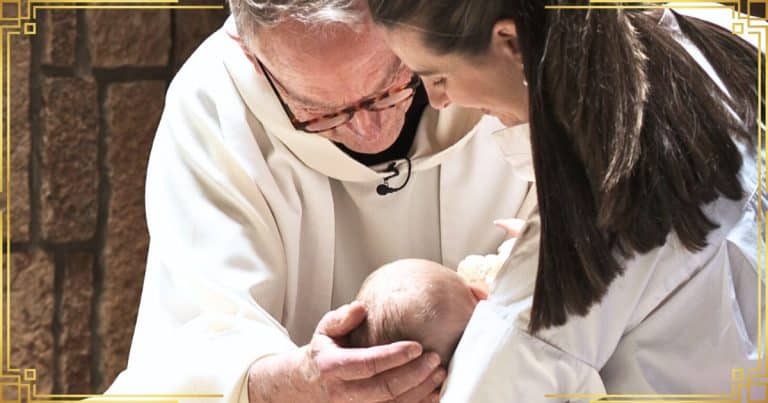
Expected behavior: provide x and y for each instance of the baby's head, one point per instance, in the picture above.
(416, 300)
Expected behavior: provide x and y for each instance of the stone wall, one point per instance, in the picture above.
(87, 92)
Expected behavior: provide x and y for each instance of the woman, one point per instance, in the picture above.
(643, 126)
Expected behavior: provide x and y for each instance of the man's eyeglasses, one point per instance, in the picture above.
(386, 100)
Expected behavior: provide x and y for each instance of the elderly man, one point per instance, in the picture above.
(295, 155)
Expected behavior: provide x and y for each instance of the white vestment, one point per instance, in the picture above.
(257, 230)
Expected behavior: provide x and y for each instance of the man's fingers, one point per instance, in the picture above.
(409, 383)
(513, 226)
(362, 363)
(433, 397)
(426, 392)
(339, 322)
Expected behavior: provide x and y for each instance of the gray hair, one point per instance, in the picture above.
(250, 15)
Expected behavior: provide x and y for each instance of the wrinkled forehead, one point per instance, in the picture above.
(334, 63)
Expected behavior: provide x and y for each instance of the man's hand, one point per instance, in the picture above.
(324, 371)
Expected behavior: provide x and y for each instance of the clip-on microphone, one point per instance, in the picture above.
(384, 188)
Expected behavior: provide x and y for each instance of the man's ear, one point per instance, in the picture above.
(504, 39)
(479, 290)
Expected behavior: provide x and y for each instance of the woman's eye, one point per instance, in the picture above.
(438, 83)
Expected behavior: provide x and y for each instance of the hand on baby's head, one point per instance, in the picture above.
(415, 300)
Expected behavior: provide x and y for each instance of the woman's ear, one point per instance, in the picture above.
(504, 39)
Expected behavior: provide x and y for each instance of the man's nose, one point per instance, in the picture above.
(366, 121)
(438, 98)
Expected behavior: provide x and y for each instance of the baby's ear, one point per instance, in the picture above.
(479, 289)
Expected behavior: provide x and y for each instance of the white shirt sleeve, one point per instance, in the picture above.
(495, 351)
(642, 329)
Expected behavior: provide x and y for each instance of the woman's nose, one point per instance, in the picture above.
(437, 98)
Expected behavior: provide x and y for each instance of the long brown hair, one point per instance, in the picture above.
(630, 136)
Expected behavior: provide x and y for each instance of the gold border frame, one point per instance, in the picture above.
(17, 384)
(20, 384)
(745, 382)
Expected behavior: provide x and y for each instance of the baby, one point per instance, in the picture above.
(416, 300)
(423, 301)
